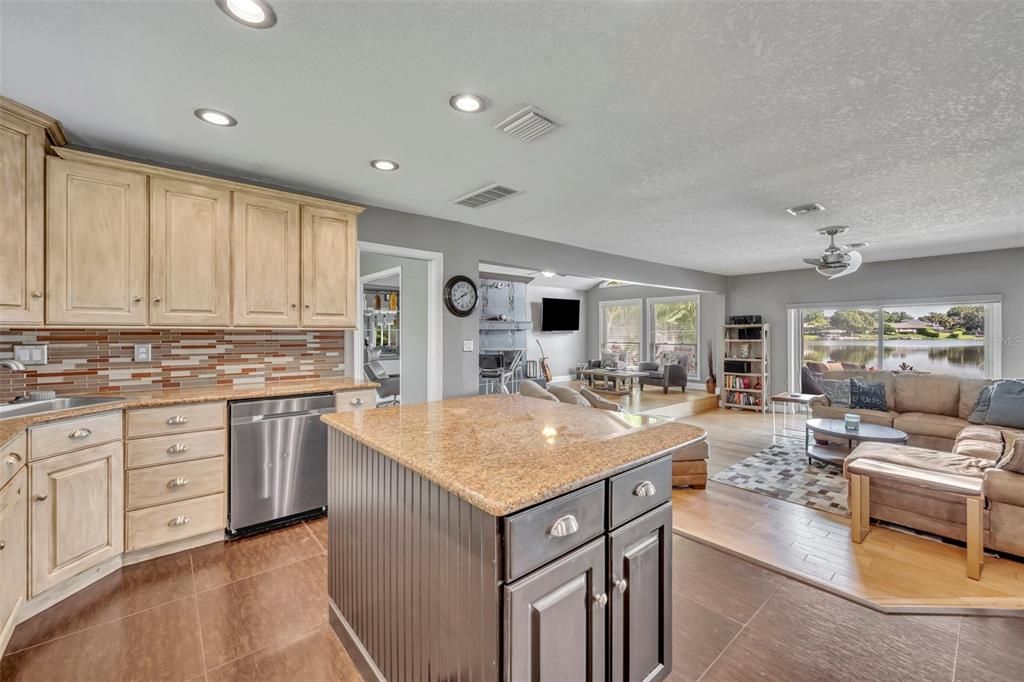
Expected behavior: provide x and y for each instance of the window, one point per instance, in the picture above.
(958, 338)
(674, 330)
(621, 328)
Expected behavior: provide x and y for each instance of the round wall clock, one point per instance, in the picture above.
(460, 295)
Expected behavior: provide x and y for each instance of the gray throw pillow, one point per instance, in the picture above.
(1006, 406)
(837, 391)
(977, 416)
(599, 402)
(865, 396)
(568, 396)
(609, 360)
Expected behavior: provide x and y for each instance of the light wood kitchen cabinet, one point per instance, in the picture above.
(76, 513)
(22, 153)
(13, 551)
(329, 253)
(96, 253)
(265, 244)
(190, 253)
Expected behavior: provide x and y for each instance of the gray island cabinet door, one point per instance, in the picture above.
(555, 620)
(640, 587)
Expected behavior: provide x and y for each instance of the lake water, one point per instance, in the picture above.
(963, 358)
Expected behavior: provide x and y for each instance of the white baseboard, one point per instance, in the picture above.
(562, 378)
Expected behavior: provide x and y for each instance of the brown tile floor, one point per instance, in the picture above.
(256, 609)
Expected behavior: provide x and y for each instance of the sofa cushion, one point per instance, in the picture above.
(985, 442)
(970, 390)
(980, 432)
(1006, 406)
(1010, 440)
(920, 458)
(932, 393)
(837, 391)
(925, 424)
(1013, 458)
(866, 416)
(532, 389)
(1002, 485)
(566, 395)
(867, 396)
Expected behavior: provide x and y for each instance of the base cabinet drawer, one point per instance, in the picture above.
(640, 590)
(174, 482)
(160, 421)
(12, 458)
(555, 620)
(13, 549)
(639, 490)
(175, 521)
(352, 401)
(176, 448)
(68, 435)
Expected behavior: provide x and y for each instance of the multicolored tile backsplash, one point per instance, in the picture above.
(100, 360)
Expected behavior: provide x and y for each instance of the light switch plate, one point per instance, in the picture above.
(467, 345)
(31, 355)
(143, 352)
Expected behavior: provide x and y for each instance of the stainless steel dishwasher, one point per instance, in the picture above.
(278, 465)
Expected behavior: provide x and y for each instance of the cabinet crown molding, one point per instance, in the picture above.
(54, 131)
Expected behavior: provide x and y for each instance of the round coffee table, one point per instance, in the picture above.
(836, 428)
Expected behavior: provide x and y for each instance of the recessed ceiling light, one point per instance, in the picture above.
(467, 103)
(384, 165)
(214, 117)
(252, 13)
(547, 273)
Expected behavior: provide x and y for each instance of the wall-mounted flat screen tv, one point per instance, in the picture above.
(560, 315)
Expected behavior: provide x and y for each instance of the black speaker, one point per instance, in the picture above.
(745, 319)
(737, 367)
(748, 333)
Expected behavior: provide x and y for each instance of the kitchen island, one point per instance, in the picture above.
(501, 538)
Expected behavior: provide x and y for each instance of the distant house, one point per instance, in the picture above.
(911, 326)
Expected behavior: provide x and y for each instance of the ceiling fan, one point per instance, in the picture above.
(837, 261)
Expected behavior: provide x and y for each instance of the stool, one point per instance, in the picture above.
(690, 465)
(862, 470)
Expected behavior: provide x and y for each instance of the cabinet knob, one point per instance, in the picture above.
(601, 599)
(177, 449)
(3, 543)
(308, 306)
(178, 521)
(357, 401)
(621, 585)
(295, 305)
(80, 433)
(136, 298)
(563, 526)
(13, 458)
(645, 489)
(177, 420)
(37, 294)
(179, 482)
(41, 497)
(156, 299)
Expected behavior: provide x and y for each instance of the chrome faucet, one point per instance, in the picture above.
(13, 365)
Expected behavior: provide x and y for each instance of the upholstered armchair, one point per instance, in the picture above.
(667, 375)
(389, 386)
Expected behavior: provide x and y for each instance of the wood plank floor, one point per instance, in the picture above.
(894, 571)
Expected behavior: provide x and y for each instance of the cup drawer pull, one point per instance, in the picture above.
(13, 458)
(177, 420)
(80, 433)
(563, 526)
(177, 449)
(645, 489)
(179, 482)
(178, 521)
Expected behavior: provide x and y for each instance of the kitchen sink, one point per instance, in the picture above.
(43, 406)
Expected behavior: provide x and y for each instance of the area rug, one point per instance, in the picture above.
(781, 471)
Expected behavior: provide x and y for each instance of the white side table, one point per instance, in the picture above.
(786, 400)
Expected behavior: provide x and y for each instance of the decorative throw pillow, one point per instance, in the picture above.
(865, 396)
(837, 391)
(977, 416)
(568, 396)
(598, 401)
(1013, 459)
(609, 360)
(1006, 406)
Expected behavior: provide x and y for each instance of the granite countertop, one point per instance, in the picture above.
(12, 427)
(502, 453)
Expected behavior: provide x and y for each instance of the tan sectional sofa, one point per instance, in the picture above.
(933, 409)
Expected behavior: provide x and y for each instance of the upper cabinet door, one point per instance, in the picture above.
(190, 254)
(328, 268)
(97, 252)
(22, 150)
(265, 254)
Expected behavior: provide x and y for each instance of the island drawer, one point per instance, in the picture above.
(174, 521)
(173, 482)
(175, 448)
(12, 458)
(69, 435)
(159, 421)
(350, 401)
(538, 535)
(639, 490)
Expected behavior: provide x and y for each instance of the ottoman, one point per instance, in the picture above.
(690, 466)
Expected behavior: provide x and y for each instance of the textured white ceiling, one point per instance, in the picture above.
(561, 281)
(690, 126)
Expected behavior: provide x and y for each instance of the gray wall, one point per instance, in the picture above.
(412, 303)
(465, 246)
(712, 316)
(986, 272)
(564, 349)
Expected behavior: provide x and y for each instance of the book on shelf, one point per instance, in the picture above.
(735, 398)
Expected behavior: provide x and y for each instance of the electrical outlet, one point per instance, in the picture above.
(467, 345)
(143, 352)
(31, 355)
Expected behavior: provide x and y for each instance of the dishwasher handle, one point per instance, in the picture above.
(281, 415)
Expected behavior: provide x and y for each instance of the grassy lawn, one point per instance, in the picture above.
(904, 337)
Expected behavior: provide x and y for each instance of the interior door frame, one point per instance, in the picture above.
(435, 355)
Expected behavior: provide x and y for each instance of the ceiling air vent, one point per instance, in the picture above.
(486, 195)
(528, 124)
(805, 209)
